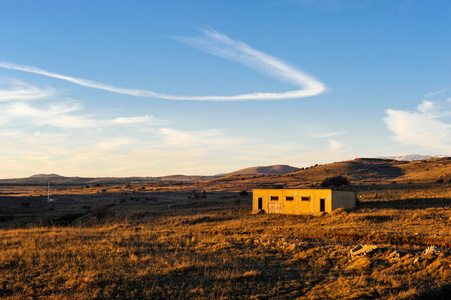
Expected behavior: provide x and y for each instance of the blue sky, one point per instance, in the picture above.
(150, 88)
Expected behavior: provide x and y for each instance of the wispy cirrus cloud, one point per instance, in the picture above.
(201, 138)
(12, 90)
(63, 115)
(220, 45)
(334, 145)
(427, 126)
(134, 120)
(325, 135)
(433, 94)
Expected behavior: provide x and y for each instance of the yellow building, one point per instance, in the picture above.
(301, 201)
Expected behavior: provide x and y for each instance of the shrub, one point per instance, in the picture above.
(335, 181)
(244, 193)
(99, 212)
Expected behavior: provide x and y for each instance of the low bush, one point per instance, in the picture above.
(99, 212)
(244, 193)
(335, 181)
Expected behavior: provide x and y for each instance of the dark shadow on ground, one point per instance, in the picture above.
(374, 168)
(443, 292)
(407, 203)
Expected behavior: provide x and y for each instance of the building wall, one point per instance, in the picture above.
(343, 199)
(302, 201)
(289, 206)
(263, 194)
(292, 201)
(325, 194)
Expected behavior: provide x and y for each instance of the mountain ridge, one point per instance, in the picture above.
(412, 157)
(75, 180)
(358, 171)
(265, 170)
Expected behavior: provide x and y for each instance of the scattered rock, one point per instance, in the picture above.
(363, 250)
(417, 260)
(395, 255)
(325, 263)
(293, 247)
(433, 250)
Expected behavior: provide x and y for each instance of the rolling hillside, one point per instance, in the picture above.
(358, 171)
(55, 179)
(371, 170)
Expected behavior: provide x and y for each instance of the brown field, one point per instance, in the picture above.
(173, 241)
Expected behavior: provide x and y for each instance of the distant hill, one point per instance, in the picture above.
(265, 170)
(358, 171)
(37, 176)
(41, 179)
(380, 170)
(364, 171)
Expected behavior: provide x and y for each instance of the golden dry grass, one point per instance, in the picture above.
(220, 251)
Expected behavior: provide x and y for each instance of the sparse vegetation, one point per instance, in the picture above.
(99, 212)
(335, 181)
(216, 253)
(244, 193)
(165, 246)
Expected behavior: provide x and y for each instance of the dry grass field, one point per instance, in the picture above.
(170, 242)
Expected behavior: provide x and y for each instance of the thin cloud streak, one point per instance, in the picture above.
(60, 115)
(11, 90)
(220, 45)
(330, 134)
(432, 94)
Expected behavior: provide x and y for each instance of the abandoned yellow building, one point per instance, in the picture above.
(301, 201)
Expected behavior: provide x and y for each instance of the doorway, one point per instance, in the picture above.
(322, 205)
(260, 203)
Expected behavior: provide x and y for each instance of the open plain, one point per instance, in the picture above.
(198, 240)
